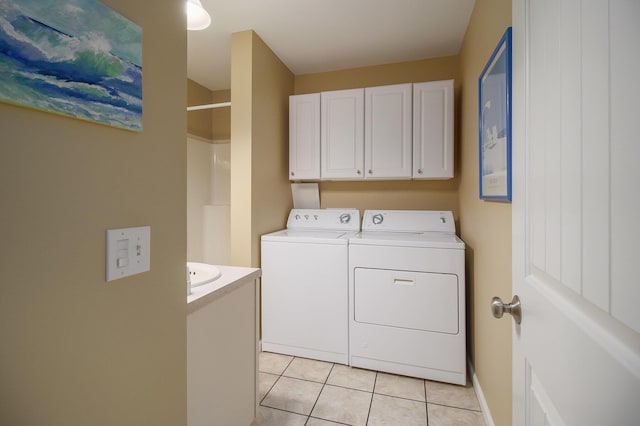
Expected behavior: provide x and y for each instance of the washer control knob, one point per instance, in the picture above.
(345, 218)
(377, 219)
(297, 217)
(306, 216)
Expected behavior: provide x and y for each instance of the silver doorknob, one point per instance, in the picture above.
(498, 308)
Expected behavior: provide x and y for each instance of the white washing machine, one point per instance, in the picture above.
(407, 295)
(305, 284)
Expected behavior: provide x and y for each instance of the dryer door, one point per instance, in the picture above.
(405, 299)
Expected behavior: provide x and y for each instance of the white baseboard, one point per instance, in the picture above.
(488, 419)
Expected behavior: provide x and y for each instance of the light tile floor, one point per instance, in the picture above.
(303, 392)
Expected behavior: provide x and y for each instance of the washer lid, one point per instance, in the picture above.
(408, 239)
(309, 236)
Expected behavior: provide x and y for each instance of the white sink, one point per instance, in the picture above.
(202, 273)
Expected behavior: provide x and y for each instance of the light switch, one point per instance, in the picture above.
(122, 262)
(122, 254)
(128, 251)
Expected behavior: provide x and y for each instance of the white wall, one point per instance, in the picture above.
(208, 195)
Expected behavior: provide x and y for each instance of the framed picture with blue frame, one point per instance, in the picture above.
(494, 121)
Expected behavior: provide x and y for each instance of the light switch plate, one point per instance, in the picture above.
(128, 251)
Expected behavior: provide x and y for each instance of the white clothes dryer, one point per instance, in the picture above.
(407, 295)
(305, 284)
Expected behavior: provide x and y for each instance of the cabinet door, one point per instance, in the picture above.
(304, 137)
(388, 132)
(342, 134)
(433, 130)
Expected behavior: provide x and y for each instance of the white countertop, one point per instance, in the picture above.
(232, 277)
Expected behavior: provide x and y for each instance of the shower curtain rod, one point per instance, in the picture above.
(208, 106)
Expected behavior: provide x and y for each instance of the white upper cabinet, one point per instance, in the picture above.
(388, 132)
(342, 134)
(304, 137)
(433, 130)
(401, 131)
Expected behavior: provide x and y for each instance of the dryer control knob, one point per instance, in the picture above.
(345, 218)
(377, 219)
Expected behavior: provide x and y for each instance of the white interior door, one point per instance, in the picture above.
(576, 207)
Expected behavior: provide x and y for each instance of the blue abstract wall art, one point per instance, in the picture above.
(75, 57)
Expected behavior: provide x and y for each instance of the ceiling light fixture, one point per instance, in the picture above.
(197, 17)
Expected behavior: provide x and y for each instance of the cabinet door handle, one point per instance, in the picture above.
(419, 171)
(293, 174)
(359, 172)
(370, 172)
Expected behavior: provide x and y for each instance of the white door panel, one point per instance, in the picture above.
(388, 131)
(588, 373)
(542, 411)
(342, 134)
(576, 354)
(304, 137)
(433, 127)
(625, 152)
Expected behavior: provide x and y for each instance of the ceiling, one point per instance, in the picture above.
(312, 36)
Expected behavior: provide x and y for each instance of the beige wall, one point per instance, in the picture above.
(221, 117)
(74, 349)
(380, 75)
(388, 194)
(485, 226)
(260, 191)
(210, 124)
(199, 122)
(241, 116)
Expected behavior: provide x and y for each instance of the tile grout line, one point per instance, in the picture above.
(373, 392)
(270, 387)
(399, 397)
(320, 393)
(426, 401)
(274, 383)
(284, 411)
(457, 408)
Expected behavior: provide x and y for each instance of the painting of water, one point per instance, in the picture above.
(73, 57)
